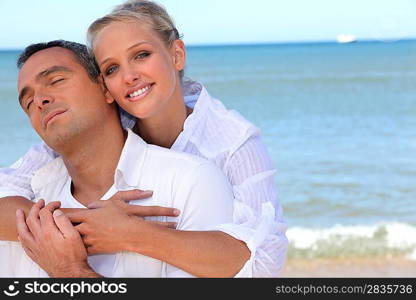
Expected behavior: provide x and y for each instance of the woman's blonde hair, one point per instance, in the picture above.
(143, 11)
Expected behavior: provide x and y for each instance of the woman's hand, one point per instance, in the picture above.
(110, 226)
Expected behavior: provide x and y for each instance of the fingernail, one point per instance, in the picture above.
(57, 213)
(18, 212)
(149, 192)
(176, 212)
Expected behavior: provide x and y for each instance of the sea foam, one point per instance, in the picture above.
(383, 239)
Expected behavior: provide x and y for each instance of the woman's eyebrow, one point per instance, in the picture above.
(128, 49)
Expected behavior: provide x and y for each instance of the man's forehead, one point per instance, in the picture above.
(44, 59)
(51, 56)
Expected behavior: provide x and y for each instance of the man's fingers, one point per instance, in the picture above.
(47, 222)
(165, 224)
(64, 224)
(148, 211)
(21, 225)
(33, 221)
(28, 252)
(24, 235)
(51, 206)
(20, 220)
(132, 195)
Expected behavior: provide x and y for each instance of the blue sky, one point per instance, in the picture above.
(219, 21)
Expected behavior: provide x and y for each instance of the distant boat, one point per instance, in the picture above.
(346, 38)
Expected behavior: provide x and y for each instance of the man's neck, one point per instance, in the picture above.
(92, 162)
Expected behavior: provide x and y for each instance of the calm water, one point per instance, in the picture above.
(339, 122)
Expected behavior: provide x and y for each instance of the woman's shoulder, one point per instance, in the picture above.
(219, 129)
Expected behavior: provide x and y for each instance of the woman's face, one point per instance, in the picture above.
(140, 71)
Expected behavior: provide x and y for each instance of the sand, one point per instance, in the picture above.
(350, 267)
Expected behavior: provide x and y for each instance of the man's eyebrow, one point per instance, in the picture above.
(52, 69)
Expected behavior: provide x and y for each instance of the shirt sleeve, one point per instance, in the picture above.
(257, 218)
(208, 203)
(15, 179)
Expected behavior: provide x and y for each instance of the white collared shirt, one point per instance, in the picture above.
(193, 185)
(234, 145)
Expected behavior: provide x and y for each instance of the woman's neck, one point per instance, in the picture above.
(164, 127)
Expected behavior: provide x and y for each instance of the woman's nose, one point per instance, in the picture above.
(131, 76)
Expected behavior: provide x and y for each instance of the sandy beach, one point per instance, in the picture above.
(350, 267)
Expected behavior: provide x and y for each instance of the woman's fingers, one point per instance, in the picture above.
(171, 225)
(149, 211)
(97, 204)
(132, 195)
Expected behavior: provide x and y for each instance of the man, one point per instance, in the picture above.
(66, 105)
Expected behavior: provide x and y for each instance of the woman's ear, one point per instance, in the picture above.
(108, 97)
(179, 54)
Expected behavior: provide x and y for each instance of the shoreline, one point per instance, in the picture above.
(390, 267)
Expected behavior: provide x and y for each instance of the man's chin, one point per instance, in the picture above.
(58, 138)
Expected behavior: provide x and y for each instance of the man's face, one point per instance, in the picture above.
(59, 97)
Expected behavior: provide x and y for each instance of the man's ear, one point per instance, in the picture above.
(179, 54)
(108, 97)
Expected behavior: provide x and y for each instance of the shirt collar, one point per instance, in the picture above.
(196, 119)
(128, 171)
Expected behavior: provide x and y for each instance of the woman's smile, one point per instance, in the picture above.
(139, 92)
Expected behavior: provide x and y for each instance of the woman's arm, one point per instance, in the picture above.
(15, 188)
(8, 207)
(201, 253)
(207, 200)
(258, 219)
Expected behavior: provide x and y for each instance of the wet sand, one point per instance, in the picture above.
(350, 267)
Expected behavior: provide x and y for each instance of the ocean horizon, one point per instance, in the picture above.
(339, 121)
(275, 43)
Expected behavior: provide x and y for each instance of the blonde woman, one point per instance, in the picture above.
(141, 58)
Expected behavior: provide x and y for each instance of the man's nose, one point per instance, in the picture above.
(42, 100)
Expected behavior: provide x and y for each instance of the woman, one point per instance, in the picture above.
(141, 58)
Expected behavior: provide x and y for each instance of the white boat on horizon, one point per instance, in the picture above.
(346, 38)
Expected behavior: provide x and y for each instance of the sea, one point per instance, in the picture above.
(339, 122)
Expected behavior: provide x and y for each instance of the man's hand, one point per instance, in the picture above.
(111, 226)
(51, 241)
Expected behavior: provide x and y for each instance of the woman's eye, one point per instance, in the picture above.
(110, 70)
(142, 55)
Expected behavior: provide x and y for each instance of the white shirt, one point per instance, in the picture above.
(234, 145)
(195, 186)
